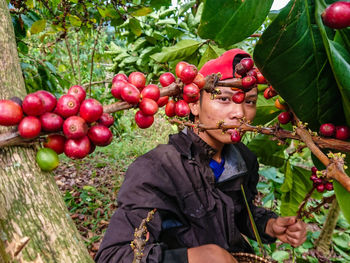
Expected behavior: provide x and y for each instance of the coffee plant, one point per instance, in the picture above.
(145, 55)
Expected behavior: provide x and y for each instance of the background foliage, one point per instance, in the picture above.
(62, 43)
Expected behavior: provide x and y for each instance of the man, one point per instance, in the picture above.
(194, 182)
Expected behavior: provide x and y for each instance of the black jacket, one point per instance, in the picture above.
(192, 209)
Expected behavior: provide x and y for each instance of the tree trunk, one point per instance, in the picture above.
(34, 221)
(323, 243)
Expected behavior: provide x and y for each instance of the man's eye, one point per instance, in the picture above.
(224, 99)
(252, 102)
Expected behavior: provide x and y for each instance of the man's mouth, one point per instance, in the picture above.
(230, 131)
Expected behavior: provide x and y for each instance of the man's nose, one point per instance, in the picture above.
(236, 111)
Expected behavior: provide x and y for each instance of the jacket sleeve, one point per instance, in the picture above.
(142, 190)
(261, 215)
(115, 247)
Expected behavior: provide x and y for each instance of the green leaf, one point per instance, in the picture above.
(22, 47)
(339, 59)
(168, 21)
(181, 50)
(268, 151)
(54, 4)
(130, 60)
(74, 20)
(139, 43)
(38, 26)
(345, 37)
(28, 21)
(62, 68)
(185, 7)
(288, 178)
(197, 18)
(265, 110)
(291, 55)
(151, 40)
(342, 240)
(160, 3)
(296, 185)
(103, 11)
(20, 29)
(51, 67)
(30, 4)
(269, 197)
(208, 54)
(230, 21)
(89, 188)
(342, 253)
(280, 255)
(271, 175)
(135, 26)
(166, 13)
(142, 11)
(343, 196)
(117, 21)
(157, 36)
(172, 32)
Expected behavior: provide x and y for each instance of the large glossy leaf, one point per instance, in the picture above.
(296, 185)
(343, 196)
(268, 152)
(339, 59)
(230, 21)
(265, 110)
(345, 37)
(292, 57)
(181, 50)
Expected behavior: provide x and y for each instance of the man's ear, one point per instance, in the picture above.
(194, 107)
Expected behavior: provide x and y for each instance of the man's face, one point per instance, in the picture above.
(210, 111)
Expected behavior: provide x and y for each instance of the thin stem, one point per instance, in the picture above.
(78, 57)
(92, 56)
(97, 82)
(70, 57)
(303, 203)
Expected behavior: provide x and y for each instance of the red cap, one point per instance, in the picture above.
(225, 64)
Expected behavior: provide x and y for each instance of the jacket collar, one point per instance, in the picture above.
(189, 144)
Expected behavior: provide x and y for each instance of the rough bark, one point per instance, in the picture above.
(34, 221)
(323, 243)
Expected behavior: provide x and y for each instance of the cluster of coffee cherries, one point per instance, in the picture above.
(319, 183)
(133, 90)
(193, 83)
(341, 132)
(250, 77)
(75, 125)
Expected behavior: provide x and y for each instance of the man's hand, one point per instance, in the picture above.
(209, 254)
(287, 229)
